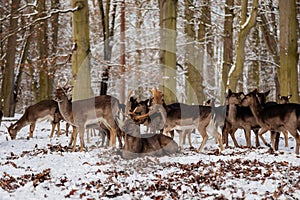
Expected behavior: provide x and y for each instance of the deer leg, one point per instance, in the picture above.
(112, 141)
(260, 134)
(52, 129)
(204, 139)
(31, 129)
(81, 137)
(181, 138)
(67, 129)
(119, 139)
(275, 140)
(286, 138)
(189, 138)
(184, 133)
(248, 137)
(218, 138)
(232, 135)
(58, 129)
(88, 131)
(257, 144)
(295, 134)
(73, 139)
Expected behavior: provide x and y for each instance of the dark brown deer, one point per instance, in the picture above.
(139, 145)
(1, 116)
(46, 109)
(80, 113)
(281, 100)
(284, 99)
(278, 118)
(178, 115)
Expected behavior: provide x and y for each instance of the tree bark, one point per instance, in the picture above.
(168, 14)
(8, 76)
(193, 59)
(43, 54)
(108, 33)
(81, 50)
(245, 26)
(288, 75)
(228, 43)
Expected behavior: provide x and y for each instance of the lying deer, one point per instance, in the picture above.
(279, 117)
(81, 113)
(139, 145)
(46, 109)
(182, 115)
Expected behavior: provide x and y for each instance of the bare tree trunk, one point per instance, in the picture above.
(54, 44)
(272, 42)
(108, 33)
(288, 75)
(80, 56)
(193, 60)
(8, 75)
(122, 52)
(245, 26)
(228, 43)
(168, 14)
(43, 54)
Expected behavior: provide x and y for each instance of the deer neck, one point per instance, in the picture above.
(65, 109)
(256, 109)
(232, 111)
(23, 121)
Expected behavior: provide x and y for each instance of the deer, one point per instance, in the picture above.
(284, 99)
(43, 110)
(278, 117)
(140, 145)
(1, 116)
(281, 100)
(178, 115)
(81, 113)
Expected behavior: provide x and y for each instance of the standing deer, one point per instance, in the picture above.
(279, 117)
(180, 115)
(81, 113)
(46, 109)
(1, 116)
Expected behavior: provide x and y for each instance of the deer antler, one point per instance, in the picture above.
(157, 96)
(127, 102)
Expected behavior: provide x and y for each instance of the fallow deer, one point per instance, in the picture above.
(139, 145)
(261, 96)
(284, 99)
(279, 117)
(80, 113)
(182, 115)
(46, 109)
(1, 116)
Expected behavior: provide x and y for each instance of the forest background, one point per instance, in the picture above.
(193, 50)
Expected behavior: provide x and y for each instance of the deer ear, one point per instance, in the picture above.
(289, 96)
(267, 93)
(229, 92)
(255, 91)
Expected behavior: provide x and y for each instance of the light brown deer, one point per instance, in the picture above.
(81, 113)
(46, 109)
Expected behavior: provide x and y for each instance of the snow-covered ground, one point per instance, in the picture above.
(41, 168)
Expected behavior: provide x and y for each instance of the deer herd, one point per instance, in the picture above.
(250, 112)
